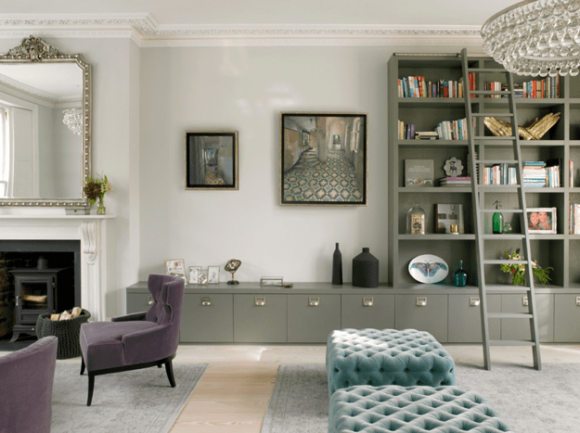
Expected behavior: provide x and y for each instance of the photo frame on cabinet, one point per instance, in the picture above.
(213, 274)
(211, 160)
(175, 267)
(542, 220)
(323, 159)
(194, 272)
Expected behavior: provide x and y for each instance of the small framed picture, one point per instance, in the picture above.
(213, 275)
(447, 215)
(271, 281)
(194, 274)
(203, 280)
(175, 267)
(542, 220)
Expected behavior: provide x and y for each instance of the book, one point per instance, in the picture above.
(419, 172)
(447, 214)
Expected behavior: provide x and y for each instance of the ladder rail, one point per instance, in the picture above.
(478, 215)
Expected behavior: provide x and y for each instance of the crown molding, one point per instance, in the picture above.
(145, 31)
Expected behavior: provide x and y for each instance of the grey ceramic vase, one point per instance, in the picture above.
(337, 267)
(365, 270)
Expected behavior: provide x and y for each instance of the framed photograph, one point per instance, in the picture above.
(175, 267)
(542, 220)
(446, 215)
(203, 281)
(271, 281)
(211, 160)
(323, 159)
(194, 272)
(213, 274)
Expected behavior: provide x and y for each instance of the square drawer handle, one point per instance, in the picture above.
(525, 302)
(474, 301)
(368, 302)
(206, 301)
(421, 302)
(578, 301)
(259, 302)
(314, 302)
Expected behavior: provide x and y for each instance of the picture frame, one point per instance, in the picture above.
(271, 281)
(175, 267)
(448, 214)
(542, 220)
(213, 274)
(323, 159)
(211, 160)
(203, 281)
(194, 272)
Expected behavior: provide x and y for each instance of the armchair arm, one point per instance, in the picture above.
(130, 317)
(150, 344)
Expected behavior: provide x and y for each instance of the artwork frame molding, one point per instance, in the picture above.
(553, 218)
(189, 159)
(361, 144)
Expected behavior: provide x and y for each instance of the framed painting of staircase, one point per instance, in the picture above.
(323, 159)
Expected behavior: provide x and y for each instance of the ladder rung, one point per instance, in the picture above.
(505, 262)
(509, 316)
(489, 137)
(513, 236)
(499, 288)
(499, 71)
(511, 343)
(503, 210)
(490, 92)
(492, 115)
(497, 161)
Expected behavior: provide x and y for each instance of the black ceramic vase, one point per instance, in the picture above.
(337, 266)
(365, 270)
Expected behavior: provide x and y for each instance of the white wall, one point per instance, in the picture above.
(245, 89)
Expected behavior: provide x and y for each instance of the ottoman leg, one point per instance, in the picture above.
(91, 388)
(169, 371)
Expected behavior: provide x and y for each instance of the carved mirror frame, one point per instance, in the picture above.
(36, 50)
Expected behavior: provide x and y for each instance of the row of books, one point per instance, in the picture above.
(541, 174)
(417, 87)
(574, 219)
(535, 89)
(452, 130)
(407, 132)
(499, 174)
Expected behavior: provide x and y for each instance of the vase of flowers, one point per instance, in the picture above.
(518, 271)
(95, 189)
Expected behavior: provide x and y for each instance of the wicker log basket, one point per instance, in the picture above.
(67, 331)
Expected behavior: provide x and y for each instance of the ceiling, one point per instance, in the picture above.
(224, 12)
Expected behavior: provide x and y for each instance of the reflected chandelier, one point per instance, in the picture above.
(73, 118)
(536, 37)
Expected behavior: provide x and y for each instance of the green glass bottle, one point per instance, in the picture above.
(497, 220)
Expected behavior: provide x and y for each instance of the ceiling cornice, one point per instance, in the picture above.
(147, 32)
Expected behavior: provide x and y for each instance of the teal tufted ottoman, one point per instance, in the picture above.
(386, 357)
(418, 409)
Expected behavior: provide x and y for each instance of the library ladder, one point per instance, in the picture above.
(479, 210)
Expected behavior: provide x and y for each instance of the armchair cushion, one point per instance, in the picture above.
(129, 317)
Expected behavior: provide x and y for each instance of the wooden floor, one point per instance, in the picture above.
(233, 394)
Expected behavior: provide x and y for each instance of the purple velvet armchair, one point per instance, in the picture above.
(138, 340)
(26, 378)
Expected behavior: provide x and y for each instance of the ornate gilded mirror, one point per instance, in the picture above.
(45, 126)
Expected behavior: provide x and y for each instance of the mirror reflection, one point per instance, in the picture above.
(41, 123)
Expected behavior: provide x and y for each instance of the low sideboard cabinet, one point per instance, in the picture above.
(309, 312)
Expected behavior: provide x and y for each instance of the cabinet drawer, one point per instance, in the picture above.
(465, 318)
(138, 302)
(260, 318)
(567, 320)
(207, 318)
(519, 329)
(424, 313)
(311, 318)
(368, 311)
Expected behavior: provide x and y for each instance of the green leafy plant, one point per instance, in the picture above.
(96, 188)
(518, 271)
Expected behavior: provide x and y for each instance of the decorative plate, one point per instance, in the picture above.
(428, 269)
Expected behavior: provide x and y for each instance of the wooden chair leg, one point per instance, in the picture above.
(91, 388)
(82, 365)
(169, 371)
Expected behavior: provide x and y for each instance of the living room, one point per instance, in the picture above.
(159, 71)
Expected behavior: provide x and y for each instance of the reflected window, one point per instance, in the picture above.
(5, 153)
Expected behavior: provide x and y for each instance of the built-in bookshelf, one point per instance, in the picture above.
(559, 250)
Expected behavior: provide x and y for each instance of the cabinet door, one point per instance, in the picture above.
(424, 313)
(311, 318)
(519, 329)
(567, 320)
(138, 302)
(260, 318)
(465, 318)
(207, 318)
(368, 311)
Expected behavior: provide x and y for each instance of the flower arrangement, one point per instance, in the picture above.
(518, 271)
(95, 189)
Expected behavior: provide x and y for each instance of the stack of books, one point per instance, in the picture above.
(535, 174)
(455, 181)
(426, 135)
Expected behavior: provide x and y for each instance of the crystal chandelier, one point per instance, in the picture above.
(73, 118)
(536, 37)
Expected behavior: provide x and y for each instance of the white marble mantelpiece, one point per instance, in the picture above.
(91, 230)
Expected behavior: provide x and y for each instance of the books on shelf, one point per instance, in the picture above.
(455, 181)
(548, 87)
(453, 129)
(499, 174)
(418, 87)
(540, 174)
(574, 219)
(419, 172)
(571, 179)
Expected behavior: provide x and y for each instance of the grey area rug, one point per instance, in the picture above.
(139, 401)
(529, 401)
